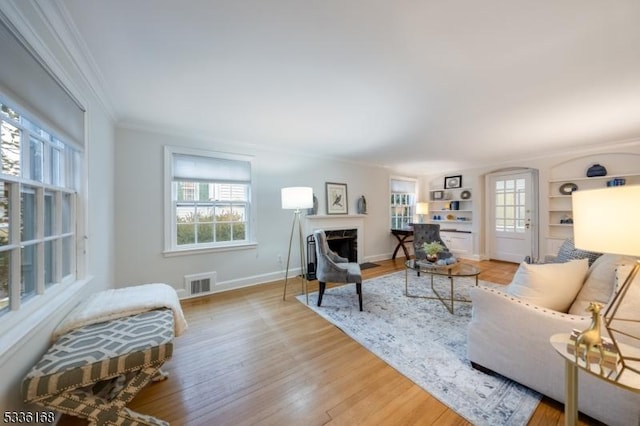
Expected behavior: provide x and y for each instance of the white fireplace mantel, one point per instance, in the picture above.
(331, 222)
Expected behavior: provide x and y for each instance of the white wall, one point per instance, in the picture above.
(576, 162)
(14, 364)
(140, 214)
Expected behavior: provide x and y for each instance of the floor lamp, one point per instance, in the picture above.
(296, 198)
(606, 220)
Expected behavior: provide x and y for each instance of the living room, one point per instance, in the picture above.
(124, 240)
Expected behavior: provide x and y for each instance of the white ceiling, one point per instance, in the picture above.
(418, 85)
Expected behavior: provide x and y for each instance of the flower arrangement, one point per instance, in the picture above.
(432, 248)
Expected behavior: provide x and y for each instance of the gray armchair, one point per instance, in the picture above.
(333, 268)
(427, 233)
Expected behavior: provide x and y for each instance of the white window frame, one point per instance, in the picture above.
(171, 247)
(411, 196)
(25, 316)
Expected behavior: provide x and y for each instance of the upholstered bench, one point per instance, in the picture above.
(94, 371)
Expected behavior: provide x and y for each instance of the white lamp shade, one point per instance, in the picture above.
(422, 208)
(607, 220)
(297, 197)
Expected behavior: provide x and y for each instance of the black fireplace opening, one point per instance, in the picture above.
(342, 241)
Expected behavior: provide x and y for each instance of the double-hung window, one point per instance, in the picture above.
(38, 184)
(208, 200)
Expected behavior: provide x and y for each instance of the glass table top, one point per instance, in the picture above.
(458, 269)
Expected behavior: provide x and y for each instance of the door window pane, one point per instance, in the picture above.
(5, 279)
(5, 208)
(49, 263)
(36, 159)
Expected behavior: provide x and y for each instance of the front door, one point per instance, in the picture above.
(512, 215)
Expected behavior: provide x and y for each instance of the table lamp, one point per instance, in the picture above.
(296, 198)
(606, 221)
(421, 210)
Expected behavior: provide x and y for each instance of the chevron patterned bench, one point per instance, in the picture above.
(94, 371)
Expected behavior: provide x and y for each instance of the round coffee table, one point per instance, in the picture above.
(452, 271)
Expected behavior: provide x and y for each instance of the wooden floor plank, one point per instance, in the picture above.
(249, 358)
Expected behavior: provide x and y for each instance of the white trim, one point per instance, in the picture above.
(21, 325)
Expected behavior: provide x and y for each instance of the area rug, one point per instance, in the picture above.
(423, 341)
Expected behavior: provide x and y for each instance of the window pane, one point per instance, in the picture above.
(66, 213)
(10, 149)
(205, 233)
(5, 208)
(239, 232)
(67, 252)
(49, 263)
(29, 271)
(36, 159)
(186, 233)
(49, 214)
(4, 281)
(223, 232)
(55, 166)
(28, 213)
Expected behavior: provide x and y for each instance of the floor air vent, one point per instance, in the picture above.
(200, 283)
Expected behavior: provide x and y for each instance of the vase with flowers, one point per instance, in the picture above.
(432, 249)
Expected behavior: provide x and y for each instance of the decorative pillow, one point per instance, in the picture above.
(568, 251)
(598, 287)
(550, 285)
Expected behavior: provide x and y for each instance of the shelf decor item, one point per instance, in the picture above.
(596, 170)
(595, 231)
(451, 182)
(437, 195)
(568, 188)
(465, 195)
(337, 198)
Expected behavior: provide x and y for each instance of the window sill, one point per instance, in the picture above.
(19, 327)
(204, 250)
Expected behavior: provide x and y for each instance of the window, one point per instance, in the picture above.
(510, 205)
(38, 185)
(403, 200)
(209, 200)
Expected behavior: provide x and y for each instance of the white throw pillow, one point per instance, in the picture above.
(550, 285)
(598, 286)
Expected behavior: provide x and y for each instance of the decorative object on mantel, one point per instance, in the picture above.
(465, 195)
(362, 205)
(337, 198)
(568, 188)
(595, 231)
(296, 198)
(596, 170)
(313, 210)
(451, 182)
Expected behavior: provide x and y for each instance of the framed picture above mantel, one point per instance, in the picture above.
(337, 202)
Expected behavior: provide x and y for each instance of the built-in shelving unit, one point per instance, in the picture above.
(560, 209)
(452, 208)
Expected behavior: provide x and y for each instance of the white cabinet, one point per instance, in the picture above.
(460, 243)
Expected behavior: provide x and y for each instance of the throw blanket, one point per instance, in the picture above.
(110, 304)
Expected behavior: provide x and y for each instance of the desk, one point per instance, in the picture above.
(402, 235)
(625, 378)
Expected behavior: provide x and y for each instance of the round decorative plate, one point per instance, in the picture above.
(568, 188)
(465, 195)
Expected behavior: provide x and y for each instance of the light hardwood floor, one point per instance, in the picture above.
(251, 358)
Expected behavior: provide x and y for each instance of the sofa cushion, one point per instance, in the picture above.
(568, 251)
(550, 285)
(598, 287)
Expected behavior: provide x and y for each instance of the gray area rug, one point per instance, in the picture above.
(424, 342)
